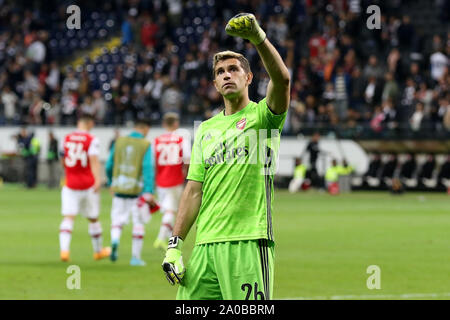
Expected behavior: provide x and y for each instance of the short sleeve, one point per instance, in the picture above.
(269, 119)
(196, 166)
(94, 147)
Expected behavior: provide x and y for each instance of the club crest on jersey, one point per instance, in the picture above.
(241, 124)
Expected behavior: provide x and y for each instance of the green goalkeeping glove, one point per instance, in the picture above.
(173, 262)
(244, 25)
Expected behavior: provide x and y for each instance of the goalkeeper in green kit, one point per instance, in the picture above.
(230, 187)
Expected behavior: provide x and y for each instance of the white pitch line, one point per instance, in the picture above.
(374, 296)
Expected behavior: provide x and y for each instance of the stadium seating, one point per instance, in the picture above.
(198, 29)
(95, 26)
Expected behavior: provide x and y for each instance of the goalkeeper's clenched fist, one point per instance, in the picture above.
(173, 262)
(244, 25)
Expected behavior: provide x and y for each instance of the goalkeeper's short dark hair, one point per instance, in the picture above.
(224, 55)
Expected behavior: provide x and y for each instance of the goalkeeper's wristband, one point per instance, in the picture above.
(173, 265)
(175, 242)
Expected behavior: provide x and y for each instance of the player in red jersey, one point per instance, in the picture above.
(80, 193)
(172, 153)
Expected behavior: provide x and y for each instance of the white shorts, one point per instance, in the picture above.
(169, 198)
(86, 202)
(123, 208)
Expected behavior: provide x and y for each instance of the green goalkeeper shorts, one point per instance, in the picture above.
(234, 270)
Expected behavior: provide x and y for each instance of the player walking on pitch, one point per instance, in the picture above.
(172, 149)
(229, 194)
(80, 193)
(129, 170)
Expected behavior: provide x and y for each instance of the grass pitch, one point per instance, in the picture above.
(324, 245)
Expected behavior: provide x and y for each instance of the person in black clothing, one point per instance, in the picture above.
(389, 168)
(314, 151)
(406, 34)
(52, 160)
(29, 147)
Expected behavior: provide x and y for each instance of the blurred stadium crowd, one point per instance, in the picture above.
(345, 77)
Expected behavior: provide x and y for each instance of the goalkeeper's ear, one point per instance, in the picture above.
(249, 78)
(215, 85)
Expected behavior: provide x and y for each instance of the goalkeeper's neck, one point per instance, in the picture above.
(235, 104)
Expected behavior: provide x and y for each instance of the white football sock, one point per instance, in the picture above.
(116, 232)
(138, 240)
(65, 234)
(95, 231)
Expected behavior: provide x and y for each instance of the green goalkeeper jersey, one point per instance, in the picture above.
(235, 158)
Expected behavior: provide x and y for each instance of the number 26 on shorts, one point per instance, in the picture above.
(257, 295)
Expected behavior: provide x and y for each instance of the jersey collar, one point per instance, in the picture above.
(136, 134)
(237, 113)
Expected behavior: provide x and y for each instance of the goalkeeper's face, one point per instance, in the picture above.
(231, 80)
